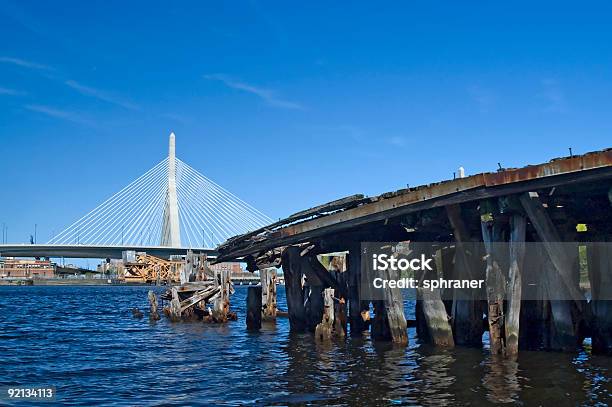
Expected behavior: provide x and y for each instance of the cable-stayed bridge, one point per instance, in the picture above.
(167, 210)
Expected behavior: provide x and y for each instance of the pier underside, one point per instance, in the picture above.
(550, 299)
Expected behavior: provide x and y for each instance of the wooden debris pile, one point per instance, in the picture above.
(145, 268)
(206, 299)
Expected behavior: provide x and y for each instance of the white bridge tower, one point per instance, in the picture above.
(171, 229)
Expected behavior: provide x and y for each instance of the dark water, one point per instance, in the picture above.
(85, 342)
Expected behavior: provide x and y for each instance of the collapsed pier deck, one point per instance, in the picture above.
(565, 200)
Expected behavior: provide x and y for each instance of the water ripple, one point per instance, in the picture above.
(85, 342)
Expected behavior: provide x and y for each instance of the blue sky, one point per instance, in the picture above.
(288, 105)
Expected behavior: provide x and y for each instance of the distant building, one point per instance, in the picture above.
(26, 268)
(233, 267)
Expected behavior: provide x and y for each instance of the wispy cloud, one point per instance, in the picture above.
(483, 97)
(11, 92)
(553, 96)
(59, 114)
(397, 141)
(101, 95)
(176, 118)
(25, 64)
(268, 95)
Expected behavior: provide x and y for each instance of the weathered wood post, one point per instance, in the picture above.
(514, 294)
(600, 275)
(359, 310)
(341, 294)
(268, 293)
(175, 306)
(221, 303)
(394, 310)
(313, 290)
(189, 269)
(467, 306)
(436, 321)
(325, 328)
(293, 288)
(559, 281)
(254, 309)
(491, 228)
(389, 323)
(154, 314)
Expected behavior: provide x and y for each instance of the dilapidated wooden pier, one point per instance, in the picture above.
(550, 300)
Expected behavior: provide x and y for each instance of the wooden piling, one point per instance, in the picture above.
(359, 310)
(153, 314)
(254, 308)
(496, 284)
(313, 289)
(325, 329)
(395, 318)
(467, 308)
(175, 306)
(514, 293)
(340, 294)
(558, 281)
(221, 305)
(600, 275)
(389, 323)
(435, 328)
(293, 289)
(268, 293)
(340, 316)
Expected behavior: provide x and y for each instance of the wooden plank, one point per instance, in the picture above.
(195, 298)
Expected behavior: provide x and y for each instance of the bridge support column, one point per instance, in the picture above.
(171, 232)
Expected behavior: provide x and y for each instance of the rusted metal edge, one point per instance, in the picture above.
(392, 201)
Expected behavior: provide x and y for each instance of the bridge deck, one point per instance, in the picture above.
(90, 251)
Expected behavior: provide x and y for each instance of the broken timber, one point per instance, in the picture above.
(206, 300)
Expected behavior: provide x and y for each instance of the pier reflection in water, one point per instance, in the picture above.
(84, 341)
